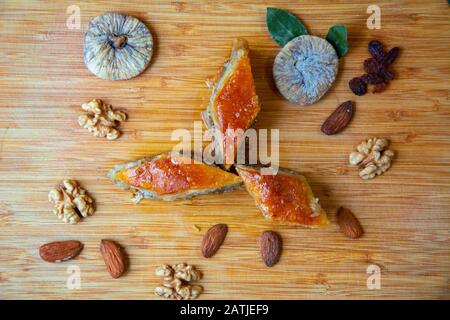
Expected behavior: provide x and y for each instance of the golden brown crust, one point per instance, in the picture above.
(284, 197)
(233, 102)
(170, 177)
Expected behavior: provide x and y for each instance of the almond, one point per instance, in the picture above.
(114, 258)
(59, 251)
(348, 223)
(339, 119)
(213, 239)
(270, 245)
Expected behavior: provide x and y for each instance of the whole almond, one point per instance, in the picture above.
(270, 245)
(348, 223)
(59, 251)
(339, 119)
(114, 258)
(213, 239)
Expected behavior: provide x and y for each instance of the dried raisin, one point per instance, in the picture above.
(387, 75)
(377, 69)
(391, 55)
(372, 78)
(376, 49)
(372, 66)
(358, 86)
(379, 87)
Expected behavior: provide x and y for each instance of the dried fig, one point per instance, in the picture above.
(117, 46)
(305, 69)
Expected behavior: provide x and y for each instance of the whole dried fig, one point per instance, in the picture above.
(117, 46)
(305, 69)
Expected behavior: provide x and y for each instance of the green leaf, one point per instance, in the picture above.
(337, 36)
(283, 26)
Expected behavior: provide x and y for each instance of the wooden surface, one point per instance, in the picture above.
(405, 213)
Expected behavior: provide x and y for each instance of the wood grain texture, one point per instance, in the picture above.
(405, 213)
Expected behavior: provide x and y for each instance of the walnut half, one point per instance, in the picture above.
(101, 119)
(71, 203)
(176, 281)
(372, 157)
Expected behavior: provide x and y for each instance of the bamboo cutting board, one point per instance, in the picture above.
(405, 213)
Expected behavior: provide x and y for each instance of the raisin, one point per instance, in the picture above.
(376, 49)
(372, 66)
(391, 55)
(372, 78)
(358, 86)
(379, 87)
(387, 75)
(377, 69)
(364, 78)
